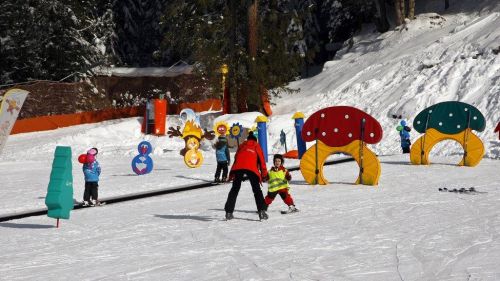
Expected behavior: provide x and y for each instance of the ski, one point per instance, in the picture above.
(285, 212)
(463, 190)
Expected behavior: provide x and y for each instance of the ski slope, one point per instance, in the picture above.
(403, 229)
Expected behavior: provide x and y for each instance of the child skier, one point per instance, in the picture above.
(278, 184)
(223, 158)
(404, 134)
(91, 172)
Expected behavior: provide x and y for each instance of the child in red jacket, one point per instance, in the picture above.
(278, 184)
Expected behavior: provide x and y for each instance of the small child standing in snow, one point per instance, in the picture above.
(223, 158)
(278, 184)
(91, 172)
(404, 134)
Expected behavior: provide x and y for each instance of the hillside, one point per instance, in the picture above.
(434, 58)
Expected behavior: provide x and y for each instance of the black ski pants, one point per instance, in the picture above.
(90, 191)
(235, 189)
(221, 166)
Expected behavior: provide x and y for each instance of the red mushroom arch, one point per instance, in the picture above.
(341, 129)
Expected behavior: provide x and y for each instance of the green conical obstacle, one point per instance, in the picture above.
(59, 199)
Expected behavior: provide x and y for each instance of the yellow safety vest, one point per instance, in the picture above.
(277, 180)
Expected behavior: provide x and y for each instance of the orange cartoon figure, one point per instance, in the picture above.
(192, 134)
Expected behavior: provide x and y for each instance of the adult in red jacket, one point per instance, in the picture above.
(248, 163)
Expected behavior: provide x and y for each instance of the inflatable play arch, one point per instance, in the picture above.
(451, 120)
(341, 129)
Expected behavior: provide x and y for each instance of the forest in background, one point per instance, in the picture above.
(65, 40)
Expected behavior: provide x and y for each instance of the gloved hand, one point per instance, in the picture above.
(265, 178)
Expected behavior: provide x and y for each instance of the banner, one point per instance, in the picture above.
(9, 110)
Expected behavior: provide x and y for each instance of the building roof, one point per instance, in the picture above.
(144, 71)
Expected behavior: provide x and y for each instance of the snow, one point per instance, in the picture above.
(403, 229)
(144, 71)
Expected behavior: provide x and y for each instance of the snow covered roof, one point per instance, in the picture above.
(144, 71)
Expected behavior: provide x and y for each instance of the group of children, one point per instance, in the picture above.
(278, 176)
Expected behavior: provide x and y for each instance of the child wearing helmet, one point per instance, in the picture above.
(404, 134)
(91, 172)
(278, 184)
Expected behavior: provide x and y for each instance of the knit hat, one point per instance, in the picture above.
(251, 136)
(92, 151)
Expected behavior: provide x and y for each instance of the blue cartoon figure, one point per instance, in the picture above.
(143, 164)
(404, 134)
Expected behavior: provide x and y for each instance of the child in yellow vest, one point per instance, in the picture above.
(278, 184)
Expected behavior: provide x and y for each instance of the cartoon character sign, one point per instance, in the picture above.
(143, 164)
(10, 107)
(192, 135)
(235, 132)
(221, 128)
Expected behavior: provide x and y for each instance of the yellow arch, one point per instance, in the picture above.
(419, 155)
(371, 164)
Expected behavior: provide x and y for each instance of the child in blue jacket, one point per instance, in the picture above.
(91, 172)
(404, 134)
(223, 158)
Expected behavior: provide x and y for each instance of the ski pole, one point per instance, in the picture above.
(361, 144)
(316, 170)
(422, 144)
(466, 137)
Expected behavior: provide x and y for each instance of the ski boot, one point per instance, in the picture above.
(263, 215)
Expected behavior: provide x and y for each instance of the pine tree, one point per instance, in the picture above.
(45, 39)
(216, 33)
(139, 32)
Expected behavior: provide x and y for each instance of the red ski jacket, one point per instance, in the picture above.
(249, 157)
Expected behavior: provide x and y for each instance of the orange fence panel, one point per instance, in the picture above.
(53, 122)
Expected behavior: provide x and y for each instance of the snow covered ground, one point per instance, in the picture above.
(403, 229)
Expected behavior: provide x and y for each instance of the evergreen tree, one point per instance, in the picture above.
(44, 39)
(216, 32)
(139, 33)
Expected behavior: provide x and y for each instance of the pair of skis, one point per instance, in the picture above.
(82, 205)
(471, 190)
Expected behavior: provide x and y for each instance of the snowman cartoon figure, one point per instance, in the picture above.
(143, 164)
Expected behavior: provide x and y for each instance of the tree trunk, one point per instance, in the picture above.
(411, 9)
(232, 85)
(446, 4)
(403, 10)
(383, 23)
(252, 103)
(252, 29)
(397, 8)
